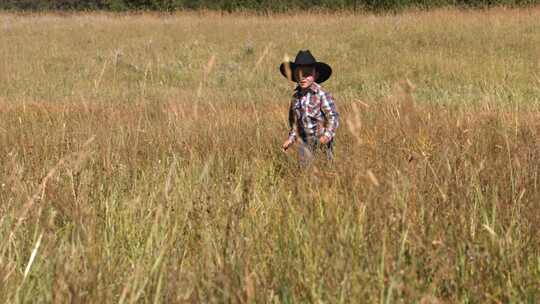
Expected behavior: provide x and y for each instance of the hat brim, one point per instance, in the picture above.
(324, 71)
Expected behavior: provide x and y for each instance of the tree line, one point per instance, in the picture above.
(257, 5)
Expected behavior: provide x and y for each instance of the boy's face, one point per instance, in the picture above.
(305, 75)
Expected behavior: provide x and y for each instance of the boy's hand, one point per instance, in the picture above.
(287, 144)
(324, 139)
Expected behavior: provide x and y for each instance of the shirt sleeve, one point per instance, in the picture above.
(328, 107)
(292, 123)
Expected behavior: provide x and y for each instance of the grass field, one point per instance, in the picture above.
(140, 159)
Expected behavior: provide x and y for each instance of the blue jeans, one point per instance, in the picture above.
(309, 147)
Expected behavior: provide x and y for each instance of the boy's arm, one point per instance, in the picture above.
(292, 123)
(330, 113)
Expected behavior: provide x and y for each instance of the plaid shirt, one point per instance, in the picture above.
(312, 113)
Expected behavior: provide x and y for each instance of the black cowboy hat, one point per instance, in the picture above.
(304, 58)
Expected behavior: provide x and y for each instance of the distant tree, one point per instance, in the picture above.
(263, 5)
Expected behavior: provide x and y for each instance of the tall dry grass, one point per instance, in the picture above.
(141, 163)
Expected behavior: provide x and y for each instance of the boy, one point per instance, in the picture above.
(312, 114)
